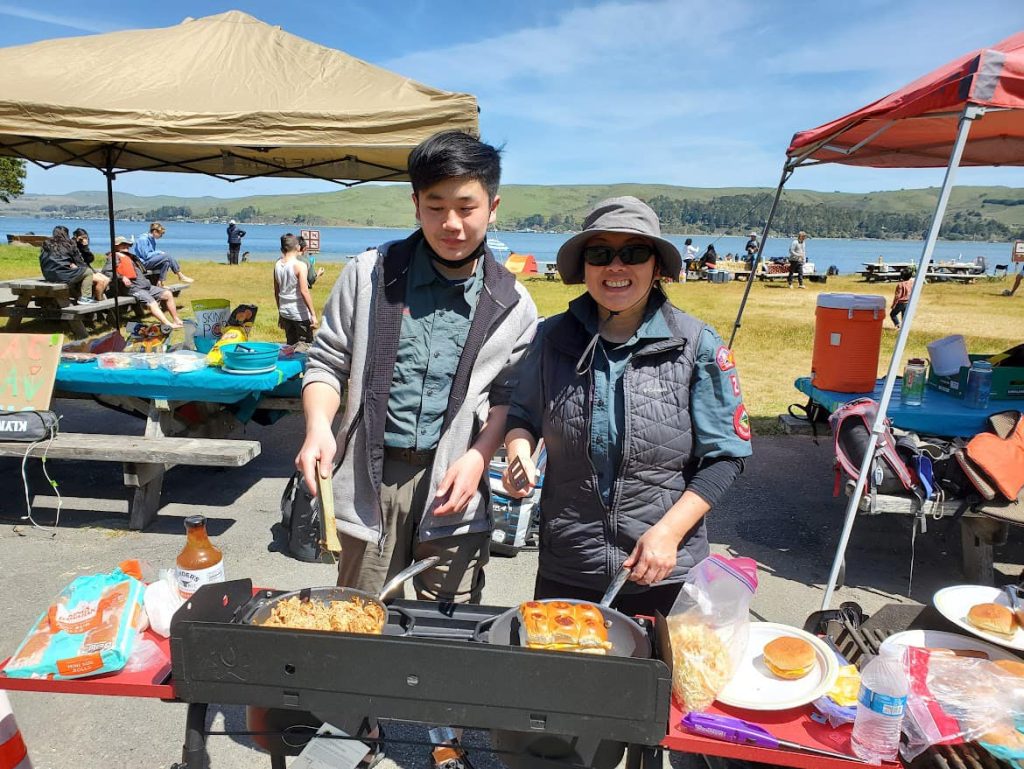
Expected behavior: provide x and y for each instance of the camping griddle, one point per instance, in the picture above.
(426, 667)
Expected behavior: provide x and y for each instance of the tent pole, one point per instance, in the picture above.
(971, 112)
(108, 172)
(786, 173)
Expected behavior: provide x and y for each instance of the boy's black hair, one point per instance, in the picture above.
(689, 242)
(80, 232)
(906, 273)
(454, 154)
(61, 232)
(289, 243)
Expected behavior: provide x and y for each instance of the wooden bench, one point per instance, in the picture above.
(44, 300)
(145, 460)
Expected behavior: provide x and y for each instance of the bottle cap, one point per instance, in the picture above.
(982, 365)
(916, 361)
(195, 520)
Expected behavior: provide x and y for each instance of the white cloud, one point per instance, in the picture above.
(80, 24)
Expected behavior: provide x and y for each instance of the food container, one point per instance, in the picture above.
(847, 338)
(250, 356)
(114, 360)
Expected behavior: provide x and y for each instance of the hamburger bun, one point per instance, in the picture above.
(1010, 666)
(993, 618)
(789, 657)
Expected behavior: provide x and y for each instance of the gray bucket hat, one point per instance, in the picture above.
(626, 214)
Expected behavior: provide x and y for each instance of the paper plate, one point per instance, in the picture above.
(938, 639)
(954, 602)
(266, 370)
(753, 687)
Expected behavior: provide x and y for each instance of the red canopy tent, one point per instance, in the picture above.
(925, 124)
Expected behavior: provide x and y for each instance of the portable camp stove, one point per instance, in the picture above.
(432, 664)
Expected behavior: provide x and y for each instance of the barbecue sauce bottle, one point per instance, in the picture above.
(200, 562)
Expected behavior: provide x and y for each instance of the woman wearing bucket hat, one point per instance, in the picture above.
(639, 405)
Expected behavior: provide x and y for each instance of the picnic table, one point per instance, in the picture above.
(44, 300)
(169, 677)
(188, 418)
(943, 415)
(884, 271)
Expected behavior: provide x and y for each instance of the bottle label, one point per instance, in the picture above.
(190, 580)
(885, 704)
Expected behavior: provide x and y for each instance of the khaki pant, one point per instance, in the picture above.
(458, 576)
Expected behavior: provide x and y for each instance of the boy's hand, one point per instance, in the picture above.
(460, 483)
(320, 446)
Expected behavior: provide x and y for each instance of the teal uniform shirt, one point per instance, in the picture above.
(720, 423)
(435, 323)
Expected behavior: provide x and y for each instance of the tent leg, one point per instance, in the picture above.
(786, 173)
(115, 282)
(971, 113)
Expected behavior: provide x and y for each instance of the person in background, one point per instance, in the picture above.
(155, 260)
(82, 241)
(296, 315)
(690, 255)
(421, 338)
(901, 297)
(797, 257)
(640, 408)
(751, 247)
(708, 260)
(132, 275)
(61, 262)
(312, 271)
(1016, 284)
(235, 235)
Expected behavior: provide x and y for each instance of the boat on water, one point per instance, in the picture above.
(27, 239)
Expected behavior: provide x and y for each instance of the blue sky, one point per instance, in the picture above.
(703, 93)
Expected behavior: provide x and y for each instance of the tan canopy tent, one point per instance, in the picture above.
(225, 95)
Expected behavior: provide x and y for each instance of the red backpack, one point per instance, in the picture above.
(851, 428)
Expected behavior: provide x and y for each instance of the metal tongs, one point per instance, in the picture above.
(330, 545)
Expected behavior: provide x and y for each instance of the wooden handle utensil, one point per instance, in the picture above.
(328, 526)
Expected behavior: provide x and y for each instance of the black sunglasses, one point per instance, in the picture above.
(602, 256)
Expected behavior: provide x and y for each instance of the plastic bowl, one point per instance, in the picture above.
(250, 356)
(204, 344)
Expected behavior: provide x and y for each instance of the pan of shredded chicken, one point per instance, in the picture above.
(334, 609)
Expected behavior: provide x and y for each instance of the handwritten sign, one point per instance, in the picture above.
(28, 369)
(312, 240)
(1018, 250)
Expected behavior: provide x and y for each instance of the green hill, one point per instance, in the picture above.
(995, 213)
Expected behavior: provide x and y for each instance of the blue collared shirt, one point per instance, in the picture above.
(435, 323)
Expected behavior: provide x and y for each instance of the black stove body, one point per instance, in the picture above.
(433, 664)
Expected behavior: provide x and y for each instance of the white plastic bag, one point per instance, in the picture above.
(709, 626)
(161, 601)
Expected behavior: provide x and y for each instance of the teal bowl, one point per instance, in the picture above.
(204, 344)
(250, 356)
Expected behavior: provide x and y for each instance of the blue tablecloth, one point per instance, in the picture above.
(940, 414)
(209, 385)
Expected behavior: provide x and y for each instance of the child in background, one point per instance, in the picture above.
(132, 275)
(291, 291)
(901, 298)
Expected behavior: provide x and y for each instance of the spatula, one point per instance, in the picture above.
(329, 543)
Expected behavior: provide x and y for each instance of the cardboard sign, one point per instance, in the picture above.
(28, 363)
(312, 240)
(1018, 250)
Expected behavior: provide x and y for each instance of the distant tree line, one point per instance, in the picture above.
(739, 213)
(179, 213)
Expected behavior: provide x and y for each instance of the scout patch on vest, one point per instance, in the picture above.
(724, 358)
(735, 382)
(741, 422)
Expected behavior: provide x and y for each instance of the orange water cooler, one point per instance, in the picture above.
(847, 337)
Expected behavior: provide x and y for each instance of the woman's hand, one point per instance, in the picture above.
(460, 483)
(654, 556)
(319, 447)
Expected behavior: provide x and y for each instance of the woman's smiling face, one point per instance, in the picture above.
(617, 286)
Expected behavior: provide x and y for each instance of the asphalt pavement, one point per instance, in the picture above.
(781, 513)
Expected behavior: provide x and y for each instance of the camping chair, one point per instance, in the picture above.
(980, 261)
(999, 271)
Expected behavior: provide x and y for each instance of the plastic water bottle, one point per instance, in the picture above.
(979, 384)
(881, 703)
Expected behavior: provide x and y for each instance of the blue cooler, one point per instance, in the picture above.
(719, 276)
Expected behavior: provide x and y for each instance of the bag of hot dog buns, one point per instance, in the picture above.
(709, 626)
(89, 629)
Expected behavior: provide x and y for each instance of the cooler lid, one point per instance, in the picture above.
(851, 301)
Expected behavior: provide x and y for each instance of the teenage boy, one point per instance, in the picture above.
(421, 337)
(296, 315)
(132, 275)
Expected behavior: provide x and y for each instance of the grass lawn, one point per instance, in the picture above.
(772, 348)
